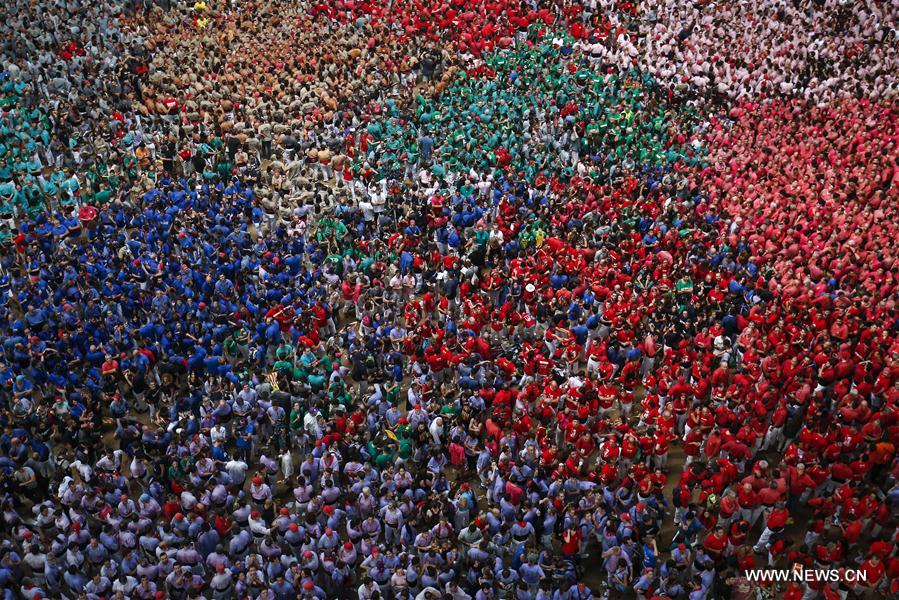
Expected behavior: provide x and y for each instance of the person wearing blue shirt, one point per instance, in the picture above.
(244, 442)
(74, 579)
(580, 333)
(425, 146)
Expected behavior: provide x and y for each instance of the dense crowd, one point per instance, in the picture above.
(817, 50)
(446, 300)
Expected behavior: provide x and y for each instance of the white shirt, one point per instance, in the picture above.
(286, 464)
(237, 469)
(84, 470)
(217, 433)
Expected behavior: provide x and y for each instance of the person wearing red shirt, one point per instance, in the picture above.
(770, 495)
(626, 404)
(728, 506)
(774, 526)
(712, 443)
(585, 446)
(893, 574)
(738, 451)
(574, 432)
(682, 497)
(110, 367)
(882, 548)
(522, 424)
(607, 395)
(647, 442)
(610, 450)
(667, 421)
(608, 472)
(852, 530)
(645, 488)
(750, 504)
(748, 435)
(549, 454)
(716, 543)
(681, 405)
(692, 443)
(816, 472)
(840, 473)
(798, 482)
(171, 508)
(829, 554)
(571, 541)
(574, 465)
(874, 569)
(736, 537)
(693, 415)
(660, 450)
(745, 558)
(222, 524)
(513, 493)
(629, 447)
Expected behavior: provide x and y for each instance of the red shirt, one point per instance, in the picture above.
(841, 472)
(881, 549)
(874, 572)
(853, 531)
(222, 524)
(571, 540)
(629, 447)
(693, 442)
(748, 499)
(769, 496)
(584, 446)
(728, 507)
(714, 544)
(610, 451)
(777, 520)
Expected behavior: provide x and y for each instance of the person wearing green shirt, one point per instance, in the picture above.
(404, 447)
(481, 236)
(236, 346)
(450, 410)
(283, 365)
(392, 393)
(317, 381)
(381, 459)
(684, 286)
(285, 352)
(295, 422)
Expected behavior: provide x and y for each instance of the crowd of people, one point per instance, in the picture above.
(430, 299)
(816, 50)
